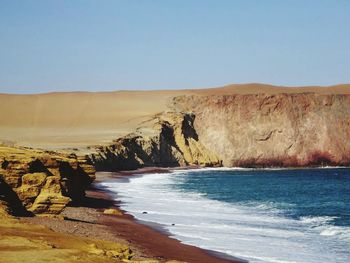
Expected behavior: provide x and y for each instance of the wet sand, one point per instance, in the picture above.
(152, 236)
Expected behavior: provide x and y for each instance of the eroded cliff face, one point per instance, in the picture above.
(210, 130)
(272, 130)
(166, 140)
(33, 181)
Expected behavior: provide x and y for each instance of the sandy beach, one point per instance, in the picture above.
(87, 219)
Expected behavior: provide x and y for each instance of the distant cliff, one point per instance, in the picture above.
(165, 140)
(250, 130)
(272, 129)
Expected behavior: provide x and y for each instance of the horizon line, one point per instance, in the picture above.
(180, 89)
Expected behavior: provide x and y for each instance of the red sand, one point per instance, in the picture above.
(156, 243)
(87, 219)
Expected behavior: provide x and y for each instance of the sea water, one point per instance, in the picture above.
(274, 215)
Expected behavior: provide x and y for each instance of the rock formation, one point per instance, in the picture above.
(166, 140)
(41, 182)
(272, 129)
(255, 130)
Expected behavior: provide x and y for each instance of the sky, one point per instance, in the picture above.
(48, 45)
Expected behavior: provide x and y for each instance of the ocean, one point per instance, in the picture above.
(261, 215)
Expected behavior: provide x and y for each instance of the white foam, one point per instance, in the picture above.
(253, 232)
(340, 232)
(317, 220)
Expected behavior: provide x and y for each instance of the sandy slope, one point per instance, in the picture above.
(56, 120)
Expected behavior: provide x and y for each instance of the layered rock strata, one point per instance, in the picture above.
(272, 130)
(39, 182)
(166, 140)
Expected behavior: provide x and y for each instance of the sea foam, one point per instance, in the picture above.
(255, 232)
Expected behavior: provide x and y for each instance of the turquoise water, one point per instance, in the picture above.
(278, 216)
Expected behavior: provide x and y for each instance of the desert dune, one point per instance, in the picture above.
(76, 119)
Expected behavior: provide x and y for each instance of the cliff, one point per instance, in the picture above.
(272, 129)
(41, 182)
(76, 119)
(251, 130)
(166, 140)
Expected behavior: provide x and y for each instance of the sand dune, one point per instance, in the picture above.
(68, 119)
(255, 88)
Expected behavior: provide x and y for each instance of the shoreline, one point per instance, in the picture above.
(169, 246)
(147, 241)
(106, 176)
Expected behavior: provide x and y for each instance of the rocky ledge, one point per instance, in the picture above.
(166, 140)
(41, 182)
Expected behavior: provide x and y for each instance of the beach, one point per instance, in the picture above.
(87, 219)
(249, 213)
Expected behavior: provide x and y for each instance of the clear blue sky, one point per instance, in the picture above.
(158, 44)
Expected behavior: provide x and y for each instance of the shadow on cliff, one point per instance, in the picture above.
(75, 181)
(10, 199)
(134, 155)
(174, 142)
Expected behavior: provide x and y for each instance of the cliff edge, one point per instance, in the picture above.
(168, 139)
(259, 130)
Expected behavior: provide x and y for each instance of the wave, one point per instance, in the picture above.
(317, 220)
(340, 232)
(253, 231)
(323, 224)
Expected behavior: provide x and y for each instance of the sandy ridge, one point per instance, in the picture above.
(76, 119)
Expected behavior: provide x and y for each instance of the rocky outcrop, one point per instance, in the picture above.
(166, 140)
(272, 130)
(41, 182)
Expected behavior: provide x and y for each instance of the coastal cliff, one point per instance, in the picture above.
(165, 140)
(258, 130)
(250, 130)
(196, 129)
(35, 182)
(39, 182)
